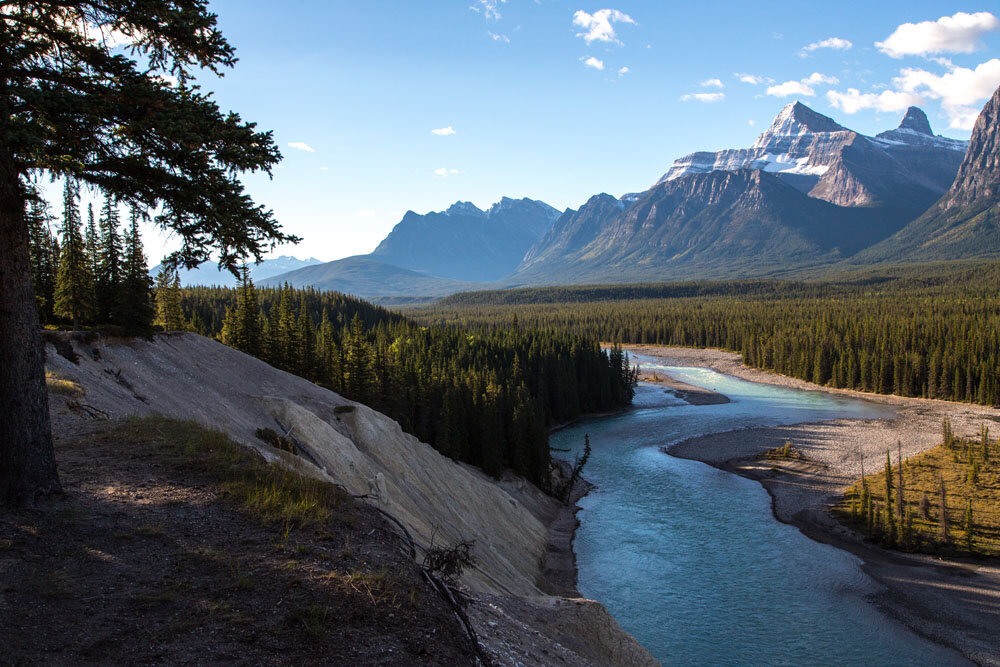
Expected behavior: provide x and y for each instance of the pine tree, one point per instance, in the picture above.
(169, 314)
(943, 534)
(44, 257)
(133, 310)
(74, 293)
(890, 521)
(969, 526)
(109, 272)
(357, 363)
(92, 241)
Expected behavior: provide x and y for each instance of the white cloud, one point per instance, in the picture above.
(712, 83)
(489, 8)
(623, 71)
(591, 61)
(958, 33)
(854, 100)
(789, 88)
(365, 213)
(445, 173)
(835, 43)
(708, 98)
(498, 38)
(752, 79)
(961, 90)
(301, 146)
(324, 169)
(598, 27)
(751, 123)
(816, 79)
(168, 79)
(803, 87)
(443, 131)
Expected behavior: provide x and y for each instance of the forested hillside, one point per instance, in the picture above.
(936, 336)
(485, 398)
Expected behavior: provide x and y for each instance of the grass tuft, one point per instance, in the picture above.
(58, 385)
(268, 492)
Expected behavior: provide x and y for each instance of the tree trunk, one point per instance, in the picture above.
(27, 459)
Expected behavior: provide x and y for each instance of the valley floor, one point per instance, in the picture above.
(956, 603)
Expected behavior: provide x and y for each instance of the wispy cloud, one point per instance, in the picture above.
(445, 173)
(712, 83)
(623, 71)
(599, 26)
(708, 98)
(324, 169)
(301, 146)
(803, 87)
(854, 100)
(444, 131)
(753, 79)
(834, 43)
(591, 61)
(498, 37)
(959, 33)
(488, 8)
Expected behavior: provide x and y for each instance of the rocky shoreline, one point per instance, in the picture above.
(953, 603)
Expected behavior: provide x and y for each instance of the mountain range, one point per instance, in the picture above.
(208, 273)
(808, 193)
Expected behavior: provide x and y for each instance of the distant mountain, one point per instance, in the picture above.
(808, 192)
(904, 170)
(362, 275)
(705, 225)
(965, 222)
(465, 243)
(209, 274)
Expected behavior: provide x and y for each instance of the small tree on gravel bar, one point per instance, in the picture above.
(75, 104)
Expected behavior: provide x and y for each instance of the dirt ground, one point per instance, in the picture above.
(956, 603)
(141, 563)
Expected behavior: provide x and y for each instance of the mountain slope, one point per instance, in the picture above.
(362, 275)
(721, 223)
(965, 222)
(466, 243)
(905, 169)
(209, 273)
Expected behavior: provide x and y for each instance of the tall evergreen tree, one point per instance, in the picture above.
(74, 294)
(73, 107)
(44, 257)
(133, 309)
(109, 272)
(169, 314)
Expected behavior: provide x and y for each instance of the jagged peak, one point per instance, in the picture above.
(915, 120)
(799, 115)
(464, 208)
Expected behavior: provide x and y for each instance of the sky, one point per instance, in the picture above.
(384, 106)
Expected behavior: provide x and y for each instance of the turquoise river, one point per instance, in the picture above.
(690, 559)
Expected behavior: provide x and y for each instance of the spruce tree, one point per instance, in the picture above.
(890, 521)
(133, 310)
(74, 293)
(74, 106)
(943, 534)
(44, 257)
(169, 314)
(969, 525)
(109, 272)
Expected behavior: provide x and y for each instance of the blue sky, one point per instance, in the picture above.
(359, 87)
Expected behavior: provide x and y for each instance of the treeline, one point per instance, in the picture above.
(88, 274)
(487, 398)
(930, 279)
(935, 339)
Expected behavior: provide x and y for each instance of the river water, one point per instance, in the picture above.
(690, 560)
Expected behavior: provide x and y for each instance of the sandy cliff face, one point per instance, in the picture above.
(439, 501)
